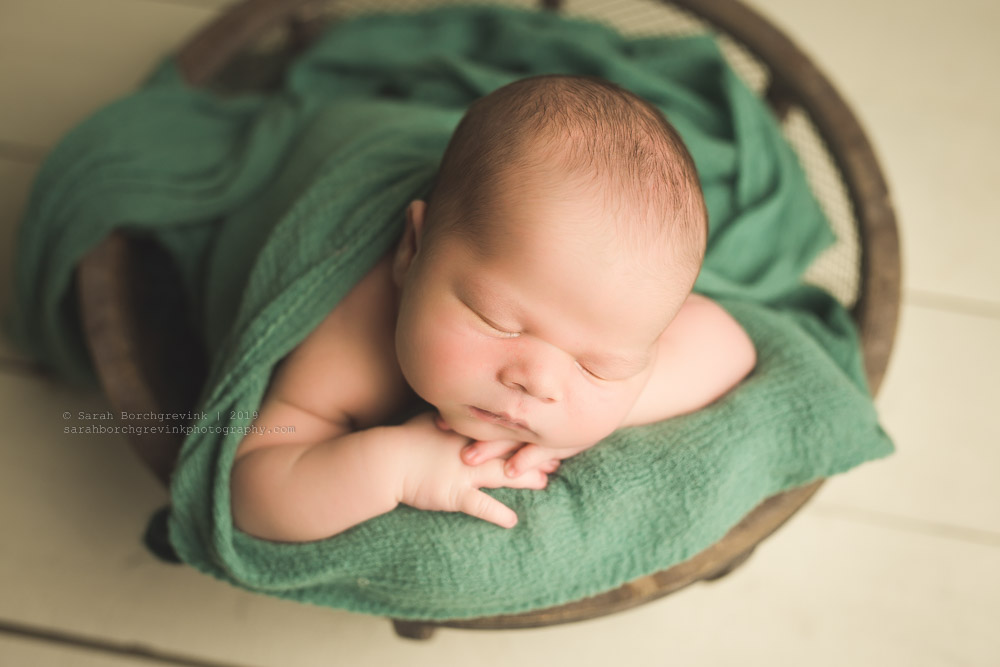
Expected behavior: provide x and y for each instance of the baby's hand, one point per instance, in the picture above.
(432, 475)
(521, 456)
(481, 451)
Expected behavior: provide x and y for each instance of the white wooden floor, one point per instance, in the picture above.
(896, 563)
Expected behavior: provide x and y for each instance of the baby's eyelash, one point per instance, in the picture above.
(505, 334)
(590, 372)
(514, 334)
(502, 332)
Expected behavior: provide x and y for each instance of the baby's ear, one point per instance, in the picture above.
(409, 243)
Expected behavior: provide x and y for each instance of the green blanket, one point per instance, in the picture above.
(274, 206)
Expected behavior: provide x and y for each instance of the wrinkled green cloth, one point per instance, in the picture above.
(275, 205)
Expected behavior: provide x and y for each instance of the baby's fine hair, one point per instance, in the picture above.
(591, 126)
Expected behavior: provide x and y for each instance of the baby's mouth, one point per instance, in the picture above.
(503, 419)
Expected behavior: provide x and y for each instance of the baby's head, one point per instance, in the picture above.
(564, 231)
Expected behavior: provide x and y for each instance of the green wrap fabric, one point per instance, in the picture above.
(274, 205)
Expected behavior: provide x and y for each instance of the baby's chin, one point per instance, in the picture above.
(485, 433)
(474, 429)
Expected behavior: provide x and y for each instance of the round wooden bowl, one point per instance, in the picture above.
(150, 360)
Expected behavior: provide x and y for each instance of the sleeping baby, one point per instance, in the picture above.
(539, 299)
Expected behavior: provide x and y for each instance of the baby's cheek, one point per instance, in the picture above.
(444, 354)
(592, 415)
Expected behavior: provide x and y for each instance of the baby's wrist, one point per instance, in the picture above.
(384, 461)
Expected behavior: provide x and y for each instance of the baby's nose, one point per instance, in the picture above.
(538, 381)
(533, 390)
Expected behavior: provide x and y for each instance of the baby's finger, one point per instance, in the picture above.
(478, 504)
(529, 457)
(550, 467)
(481, 451)
(491, 476)
(532, 479)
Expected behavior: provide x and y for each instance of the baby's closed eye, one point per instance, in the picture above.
(616, 368)
(592, 373)
(504, 333)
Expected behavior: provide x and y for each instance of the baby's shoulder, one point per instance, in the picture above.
(346, 368)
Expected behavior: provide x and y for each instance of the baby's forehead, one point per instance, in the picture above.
(586, 217)
(578, 212)
(592, 312)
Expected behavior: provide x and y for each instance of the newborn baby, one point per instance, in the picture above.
(538, 300)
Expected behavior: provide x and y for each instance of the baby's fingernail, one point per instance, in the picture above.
(471, 454)
(510, 470)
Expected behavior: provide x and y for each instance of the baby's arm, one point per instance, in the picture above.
(318, 483)
(702, 355)
(330, 475)
(302, 491)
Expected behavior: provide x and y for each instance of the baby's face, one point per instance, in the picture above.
(550, 339)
